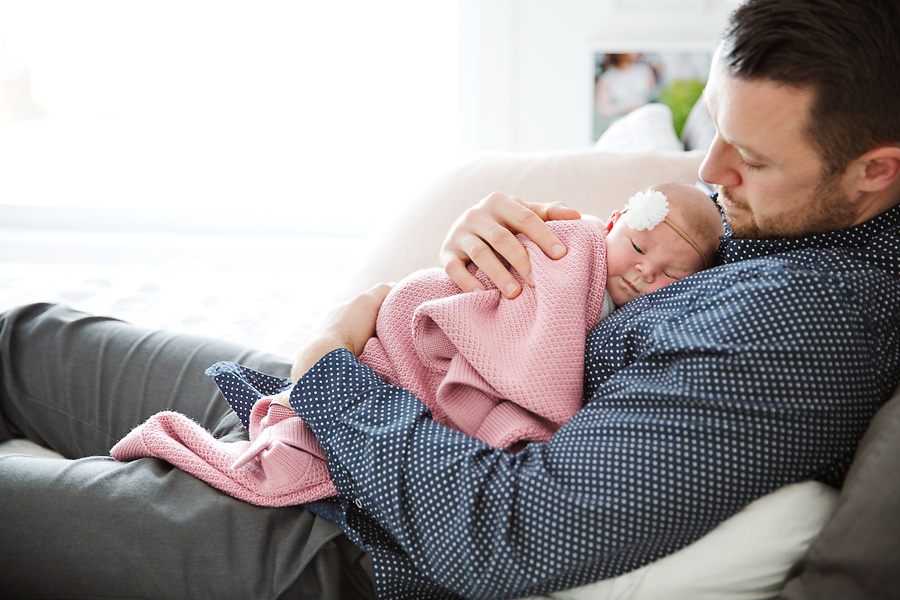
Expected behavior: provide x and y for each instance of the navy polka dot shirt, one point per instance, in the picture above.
(699, 398)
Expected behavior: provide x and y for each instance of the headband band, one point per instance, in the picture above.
(686, 238)
(647, 209)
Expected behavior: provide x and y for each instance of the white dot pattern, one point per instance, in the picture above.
(699, 398)
(243, 387)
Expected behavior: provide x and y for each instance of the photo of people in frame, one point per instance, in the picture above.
(624, 81)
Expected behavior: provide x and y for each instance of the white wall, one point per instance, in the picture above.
(526, 68)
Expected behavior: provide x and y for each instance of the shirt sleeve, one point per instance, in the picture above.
(681, 429)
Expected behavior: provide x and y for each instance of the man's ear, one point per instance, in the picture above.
(880, 168)
(612, 221)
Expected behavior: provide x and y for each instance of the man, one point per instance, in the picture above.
(703, 396)
(700, 397)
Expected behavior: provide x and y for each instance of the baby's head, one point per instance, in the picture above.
(665, 233)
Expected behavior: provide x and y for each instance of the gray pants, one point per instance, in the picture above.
(93, 527)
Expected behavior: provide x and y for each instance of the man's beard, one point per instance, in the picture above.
(830, 210)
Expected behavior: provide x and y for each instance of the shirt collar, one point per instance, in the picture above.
(733, 249)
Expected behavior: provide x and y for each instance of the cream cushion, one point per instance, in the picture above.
(593, 181)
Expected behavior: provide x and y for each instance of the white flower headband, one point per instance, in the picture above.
(646, 210)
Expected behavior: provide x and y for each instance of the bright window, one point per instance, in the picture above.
(319, 114)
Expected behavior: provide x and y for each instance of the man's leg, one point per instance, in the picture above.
(97, 527)
(78, 383)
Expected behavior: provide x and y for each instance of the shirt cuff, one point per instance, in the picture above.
(362, 423)
(326, 390)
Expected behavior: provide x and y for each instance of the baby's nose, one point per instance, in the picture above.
(647, 271)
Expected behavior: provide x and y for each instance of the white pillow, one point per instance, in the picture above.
(745, 558)
(648, 127)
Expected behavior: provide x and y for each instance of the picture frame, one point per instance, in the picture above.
(629, 76)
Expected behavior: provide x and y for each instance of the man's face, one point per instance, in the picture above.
(767, 172)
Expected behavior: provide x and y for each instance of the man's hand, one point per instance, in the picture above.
(489, 229)
(349, 325)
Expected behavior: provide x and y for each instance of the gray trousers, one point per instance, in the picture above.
(89, 526)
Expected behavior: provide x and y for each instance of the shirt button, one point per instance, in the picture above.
(358, 503)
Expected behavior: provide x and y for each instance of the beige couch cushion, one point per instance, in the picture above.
(593, 181)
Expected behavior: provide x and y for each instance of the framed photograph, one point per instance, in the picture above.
(627, 78)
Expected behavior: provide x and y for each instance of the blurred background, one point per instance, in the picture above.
(138, 131)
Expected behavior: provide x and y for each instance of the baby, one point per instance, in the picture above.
(643, 257)
(507, 371)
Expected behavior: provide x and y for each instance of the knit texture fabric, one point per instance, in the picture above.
(504, 371)
(281, 465)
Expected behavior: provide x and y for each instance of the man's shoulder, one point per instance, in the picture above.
(821, 291)
(807, 269)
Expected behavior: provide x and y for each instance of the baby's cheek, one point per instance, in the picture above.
(659, 283)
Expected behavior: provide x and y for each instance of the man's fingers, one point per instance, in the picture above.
(485, 256)
(536, 229)
(457, 271)
(557, 211)
(507, 245)
(377, 293)
(490, 227)
(360, 319)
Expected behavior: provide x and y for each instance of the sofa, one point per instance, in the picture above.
(804, 541)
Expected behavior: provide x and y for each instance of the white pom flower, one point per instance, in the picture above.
(645, 210)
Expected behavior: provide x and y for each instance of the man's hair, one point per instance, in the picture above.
(847, 52)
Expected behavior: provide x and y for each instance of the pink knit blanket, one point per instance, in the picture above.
(504, 371)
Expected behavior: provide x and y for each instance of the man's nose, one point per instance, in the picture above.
(718, 166)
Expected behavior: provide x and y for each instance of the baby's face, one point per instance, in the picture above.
(640, 262)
